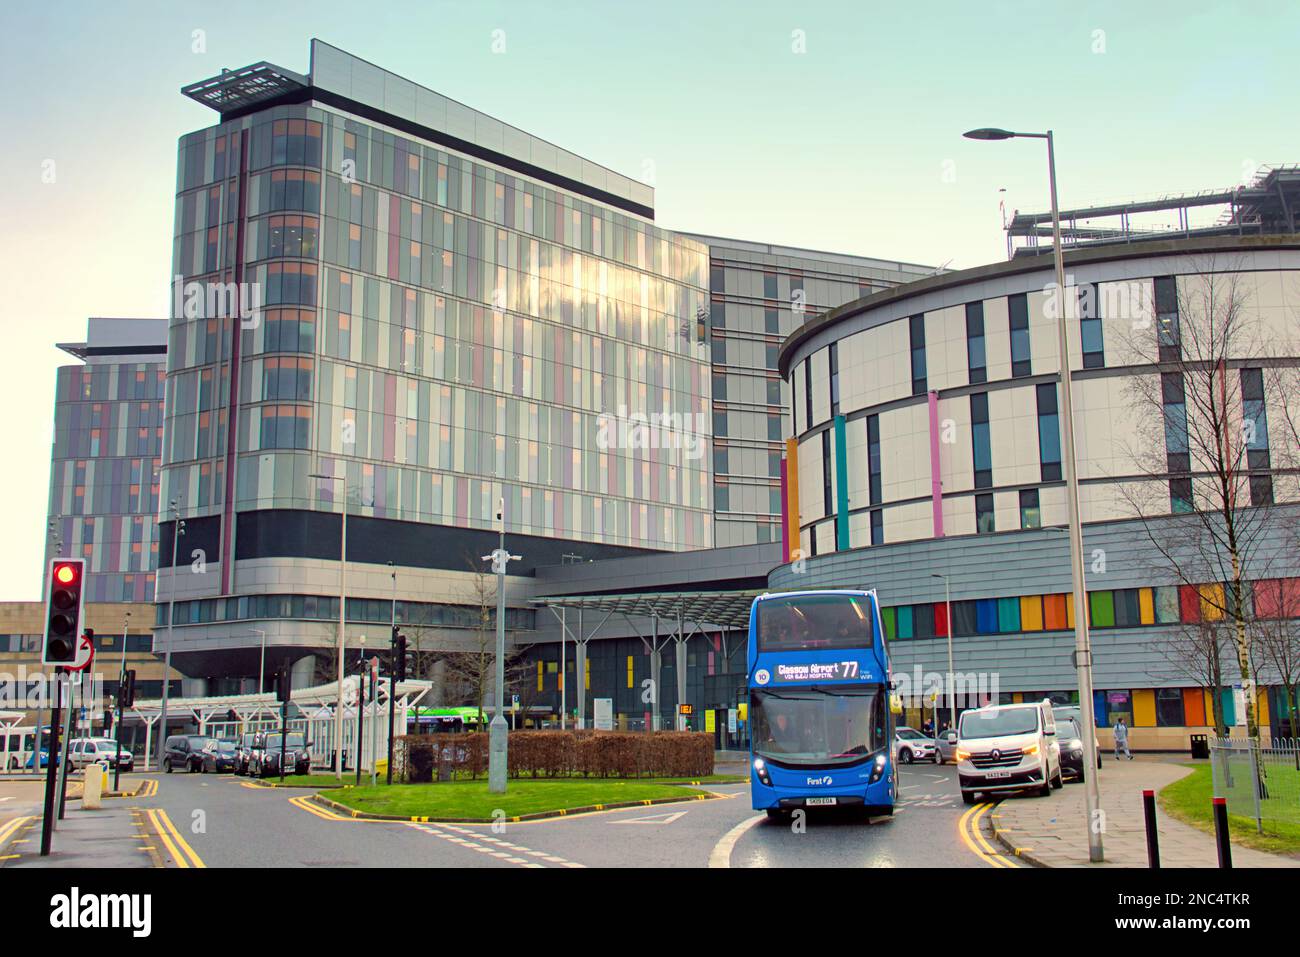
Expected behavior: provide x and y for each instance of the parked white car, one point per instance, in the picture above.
(911, 745)
(84, 751)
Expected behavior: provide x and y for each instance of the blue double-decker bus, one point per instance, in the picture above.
(819, 703)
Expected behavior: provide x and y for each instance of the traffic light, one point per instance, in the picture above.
(283, 685)
(399, 657)
(126, 694)
(64, 603)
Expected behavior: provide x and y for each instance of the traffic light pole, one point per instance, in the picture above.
(47, 819)
(64, 748)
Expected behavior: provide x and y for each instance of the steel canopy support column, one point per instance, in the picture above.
(655, 663)
(580, 645)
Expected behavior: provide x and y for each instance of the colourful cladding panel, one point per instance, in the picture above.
(986, 616)
(1166, 600)
(1008, 615)
(1228, 707)
(889, 617)
(1101, 609)
(1189, 604)
(1146, 606)
(1194, 707)
(1031, 613)
(1261, 707)
(1212, 602)
(792, 493)
(1144, 708)
(1054, 613)
(631, 668)
(905, 621)
(841, 486)
(940, 620)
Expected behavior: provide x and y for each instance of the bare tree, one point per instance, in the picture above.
(1195, 454)
(1194, 652)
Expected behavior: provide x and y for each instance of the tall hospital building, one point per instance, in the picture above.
(391, 304)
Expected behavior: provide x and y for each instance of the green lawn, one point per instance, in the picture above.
(1189, 800)
(470, 800)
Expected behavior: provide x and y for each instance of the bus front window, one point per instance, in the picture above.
(818, 726)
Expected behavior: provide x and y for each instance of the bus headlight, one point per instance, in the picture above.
(877, 769)
(760, 768)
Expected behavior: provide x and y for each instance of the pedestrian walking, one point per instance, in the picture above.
(1121, 739)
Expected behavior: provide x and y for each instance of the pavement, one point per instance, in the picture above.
(1049, 832)
(114, 835)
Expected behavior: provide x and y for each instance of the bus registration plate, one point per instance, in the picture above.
(818, 802)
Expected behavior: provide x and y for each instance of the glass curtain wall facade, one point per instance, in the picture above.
(759, 294)
(108, 426)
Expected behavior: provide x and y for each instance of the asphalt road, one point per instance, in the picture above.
(227, 821)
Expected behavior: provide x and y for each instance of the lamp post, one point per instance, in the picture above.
(1082, 643)
(261, 668)
(178, 529)
(343, 604)
(952, 692)
(498, 733)
(117, 727)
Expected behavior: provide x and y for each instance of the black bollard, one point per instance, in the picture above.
(1221, 831)
(1153, 838)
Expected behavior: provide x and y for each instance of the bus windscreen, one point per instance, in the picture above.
(809, 622)
(818, 727)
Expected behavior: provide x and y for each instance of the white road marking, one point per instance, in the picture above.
(721, 855)
(651, 819)
(490, 846)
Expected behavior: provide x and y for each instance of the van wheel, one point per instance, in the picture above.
(1083, 776)
(1058, 782)
(967, 797)
(167, 765)
(1046, 789)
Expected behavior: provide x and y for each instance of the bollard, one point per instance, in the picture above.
(1221, 831)
(1153, 838)
(91, 790)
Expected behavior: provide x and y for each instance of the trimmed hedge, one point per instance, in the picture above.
(421, 758)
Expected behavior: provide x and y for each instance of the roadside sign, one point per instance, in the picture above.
(514, 702)
(731, 720)
(603, 714)
(686, 709)
(85, 654)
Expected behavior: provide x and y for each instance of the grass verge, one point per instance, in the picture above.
(471, 801)
(1189, 800)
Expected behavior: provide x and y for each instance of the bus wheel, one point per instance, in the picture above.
(968, 797)
(776, 814)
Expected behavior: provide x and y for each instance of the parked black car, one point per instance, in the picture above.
(184, 752)
(264, 757)
(244, 750)
(1071, 741)
(217, 757)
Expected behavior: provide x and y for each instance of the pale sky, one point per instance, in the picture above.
(852, 145)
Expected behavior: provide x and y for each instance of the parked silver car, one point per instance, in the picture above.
(945, 746)
(911, 745)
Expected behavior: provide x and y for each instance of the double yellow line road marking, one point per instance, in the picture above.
(177, 846)
(969, 829)
(9, 829)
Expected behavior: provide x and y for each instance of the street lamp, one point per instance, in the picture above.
(261, 668)
(952, 692)
(1082, 643)
(498, 733)
(178, 529)
(343, 603)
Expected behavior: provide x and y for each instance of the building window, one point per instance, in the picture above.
(976, 357)
(828, 500)
(1094, 356)
(877, 527)
(1030, 516)
(1168, 335)
(981, 449)
(769, 285)
(916, 328)
(835, 376)
(1018, 309)
(1177, 455)
(1254, 426)
(873, 458)
(1169, 708)
(1049, 433)
(807, 394)
(984, 513)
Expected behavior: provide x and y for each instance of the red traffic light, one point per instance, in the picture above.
(65, 574)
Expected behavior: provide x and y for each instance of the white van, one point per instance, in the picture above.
(1008, 747)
